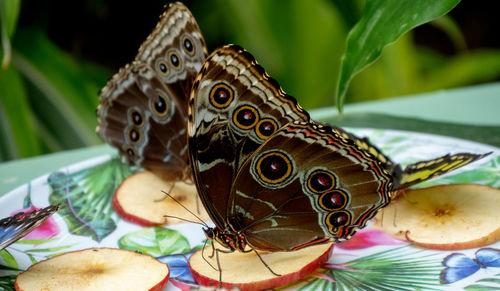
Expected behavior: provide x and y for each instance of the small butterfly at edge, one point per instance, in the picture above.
(458, 266)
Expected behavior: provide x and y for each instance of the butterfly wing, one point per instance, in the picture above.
(488, 257)
(235, 106)
(143, 108)
(458, 267)
(15, 227)
(175, 50)
(140, 116)
(427, 170)
(307, 184)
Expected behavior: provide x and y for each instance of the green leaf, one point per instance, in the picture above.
(381, 23)
(17, 129)
(451, 28)
(7, 283)
(479, 287)
(491, 280)
(46, 250)
(63, 90)
(350, 11)
(474, 67)
(400, 268)
(298, 42)
(9, 259)
(3, 267)
(35, 241)
(9, 12)
(87, 195)
(155, 241)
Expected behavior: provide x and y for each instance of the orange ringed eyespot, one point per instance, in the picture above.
(274, 167)
(265, 128)
(320, 181)
(245, 117)
(221, 95)
(333, 200)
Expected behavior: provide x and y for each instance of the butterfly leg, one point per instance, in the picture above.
(218, 263)
(263, 262)
(211, 256)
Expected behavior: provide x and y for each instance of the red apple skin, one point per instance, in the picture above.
(161, 284)
(266, 284)
(129, 217)
(157, 287)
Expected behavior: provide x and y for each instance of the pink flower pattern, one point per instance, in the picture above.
(367, 238)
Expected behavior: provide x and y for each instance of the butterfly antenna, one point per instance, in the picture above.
(186, 220)
(192, 213)
(167, 195)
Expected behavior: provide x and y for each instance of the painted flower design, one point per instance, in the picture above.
(367, 238)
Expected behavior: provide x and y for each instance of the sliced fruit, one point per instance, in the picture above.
(447, 217)
(140, 199)
(247, 272)
(95, 269)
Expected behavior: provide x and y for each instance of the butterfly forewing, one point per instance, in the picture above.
(235, 106)
(143, 108)
(175, 49)
(305, 183)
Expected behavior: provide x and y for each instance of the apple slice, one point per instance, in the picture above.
(95, 269)
(247, 272)
(140, 199)
(446, 217)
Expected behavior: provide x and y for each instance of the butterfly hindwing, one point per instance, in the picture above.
(305, 184)
(140, 116)
(457, 267)
(143, 108)
(488, 257)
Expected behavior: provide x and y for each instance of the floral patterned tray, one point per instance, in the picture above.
(369, 261)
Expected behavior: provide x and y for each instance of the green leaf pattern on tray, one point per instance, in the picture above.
(155, 241)
(86, 196)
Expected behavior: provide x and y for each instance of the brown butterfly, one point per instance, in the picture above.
(143, 108)
(275, 180)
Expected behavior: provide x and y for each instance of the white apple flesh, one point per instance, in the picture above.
(95, 269)
(247, 272)
(140, 199)
(447, 217)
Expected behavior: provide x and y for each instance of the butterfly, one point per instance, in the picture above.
(16, 227)
(143, 107)
(458, 266)
(273, 179)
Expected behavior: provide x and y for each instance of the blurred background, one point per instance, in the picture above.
(63, 52)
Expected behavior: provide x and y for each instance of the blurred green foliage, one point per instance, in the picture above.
(48, 95)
